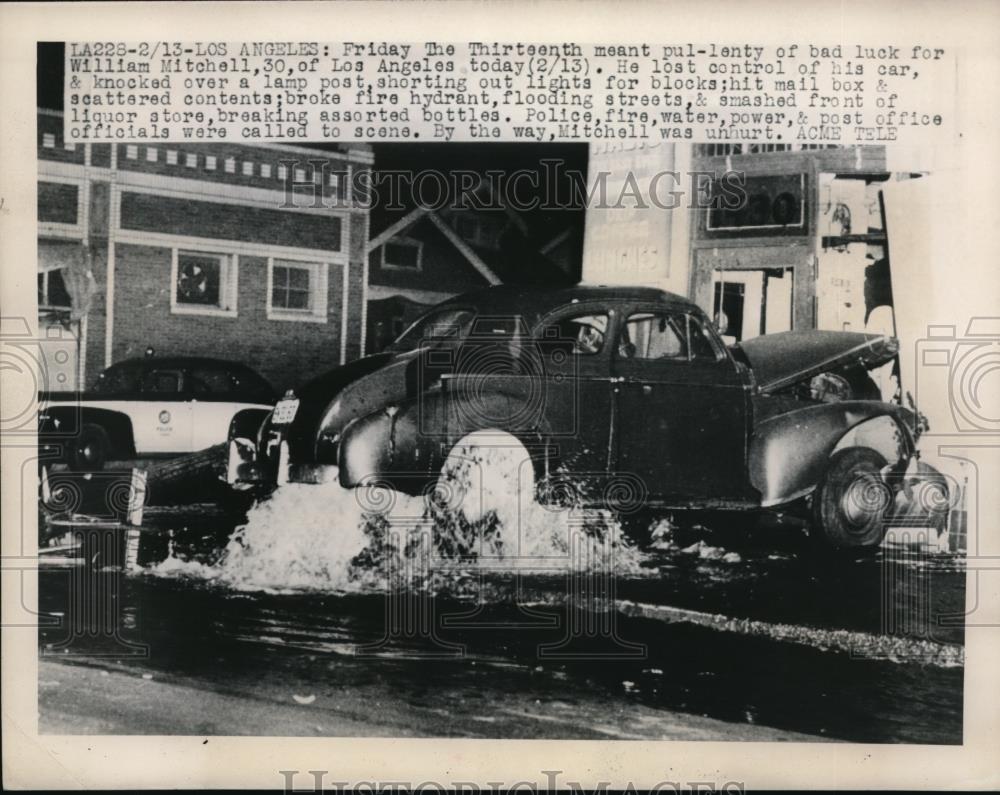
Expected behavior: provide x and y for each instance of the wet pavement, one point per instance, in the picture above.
(292, 632)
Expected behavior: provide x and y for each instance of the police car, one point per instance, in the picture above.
(151, 407)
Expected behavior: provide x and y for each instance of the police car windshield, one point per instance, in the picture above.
(446, 324)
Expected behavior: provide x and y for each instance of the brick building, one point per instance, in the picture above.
(195, 249)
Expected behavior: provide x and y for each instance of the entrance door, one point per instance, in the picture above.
(681, 408)
(749, 303)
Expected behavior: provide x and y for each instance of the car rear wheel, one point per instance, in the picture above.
(851, 500)
(89, 450)
(486, 471)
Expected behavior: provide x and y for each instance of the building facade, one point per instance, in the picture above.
(795, 254)
(806, 247)
(251, 253)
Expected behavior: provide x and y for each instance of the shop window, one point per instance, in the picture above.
(403, 253)
(204, 283)
(297, 290)
(52, 289)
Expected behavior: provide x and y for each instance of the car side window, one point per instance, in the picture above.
(665, 336)
(118, 379)
(162, 381)
(701, 341)
(207, 380)
(580, 335)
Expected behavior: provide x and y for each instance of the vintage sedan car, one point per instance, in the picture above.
(151, 407)
(627, 389)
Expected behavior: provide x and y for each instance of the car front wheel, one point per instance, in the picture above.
(851, 501)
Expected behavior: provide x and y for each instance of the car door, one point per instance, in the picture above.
(575, 344)
(161, 418)
(680, 408)
(215, 398)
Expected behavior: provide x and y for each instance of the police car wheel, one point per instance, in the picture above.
(89, 449)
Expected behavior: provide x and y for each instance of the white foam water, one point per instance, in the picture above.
(481, 515)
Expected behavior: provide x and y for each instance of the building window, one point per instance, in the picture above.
(171, 157)
(230, 165)
(265, 170)
(402, 253)
(300, 175)
(210, 162)
(52, 289)
(191, 160)
(151, 154)
(132, 152)
(282, 173)
(69, 146)
(203, 283)
(475, 229)
(247, 168)
(48, 140)
(297, 290)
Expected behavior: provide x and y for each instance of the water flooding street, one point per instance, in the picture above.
(746, 640)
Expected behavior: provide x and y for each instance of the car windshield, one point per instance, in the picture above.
(434, 327)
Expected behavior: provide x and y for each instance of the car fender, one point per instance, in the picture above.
(789, 452)
(72, 417)
(407, 444)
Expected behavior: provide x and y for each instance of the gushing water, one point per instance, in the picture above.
(481, 516)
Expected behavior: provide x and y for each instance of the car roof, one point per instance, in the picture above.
(514, 300)
(182, 361)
